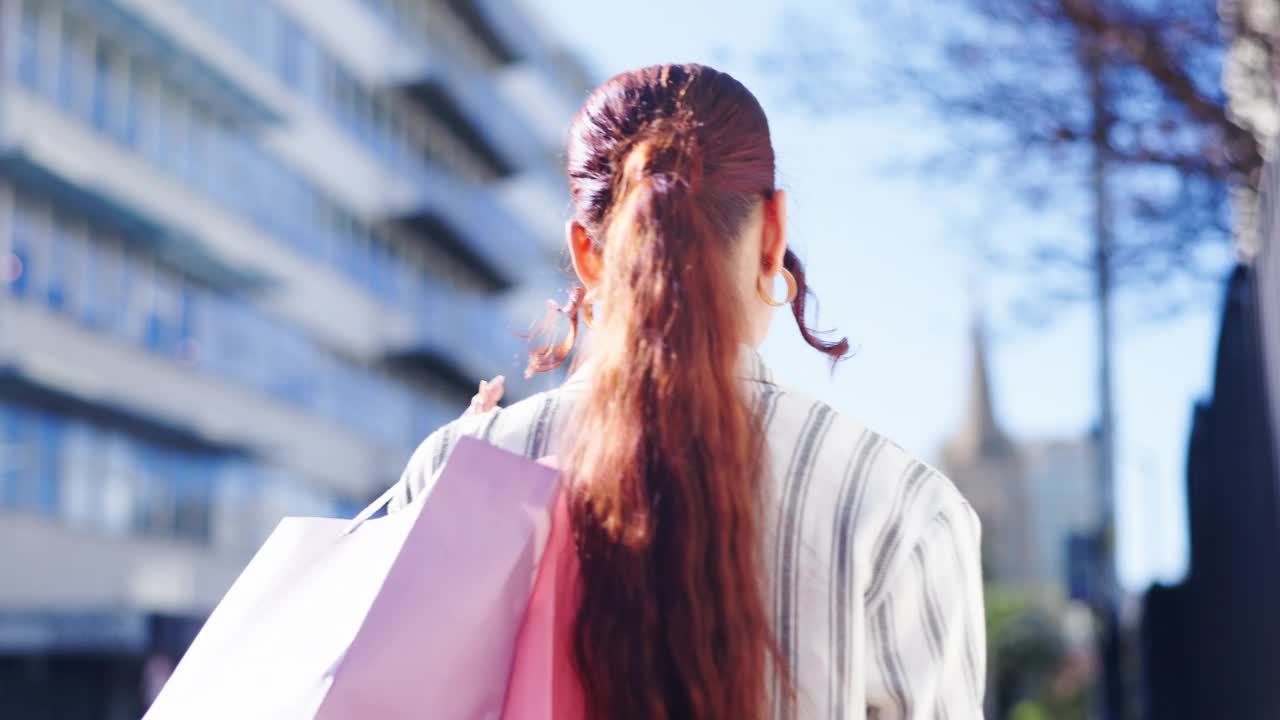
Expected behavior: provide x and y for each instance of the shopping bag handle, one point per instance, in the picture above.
(368, 512)
(548, 460)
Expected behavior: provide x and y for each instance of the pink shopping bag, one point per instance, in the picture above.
(544, 682)
(414, 615)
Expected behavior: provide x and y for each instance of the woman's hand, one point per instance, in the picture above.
(488, 397)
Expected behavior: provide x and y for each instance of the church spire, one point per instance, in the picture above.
(980, 436)
(981, 411)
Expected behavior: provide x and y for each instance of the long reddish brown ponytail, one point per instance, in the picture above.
(665, 455)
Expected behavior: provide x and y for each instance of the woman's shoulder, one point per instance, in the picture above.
(865, 507)
(866, 479)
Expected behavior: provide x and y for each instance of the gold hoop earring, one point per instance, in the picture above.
(767, 296)
(587, 312)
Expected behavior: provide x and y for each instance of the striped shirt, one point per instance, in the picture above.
(873, 556)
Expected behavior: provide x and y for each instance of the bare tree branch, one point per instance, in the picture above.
(1006, 79)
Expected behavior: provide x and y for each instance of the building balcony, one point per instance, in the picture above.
(540, 202)
(48, 566)
(472, 108)
(38, 140)
(502, 27)
(50, 352)
(187, 54)
(39, 145)
(376, 182)
(549, 100)
(167, 244)
(474, 226)
(304, 137)
(459, 338)
(442, 76)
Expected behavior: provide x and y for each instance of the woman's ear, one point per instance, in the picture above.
(586, 258)
(773, 246)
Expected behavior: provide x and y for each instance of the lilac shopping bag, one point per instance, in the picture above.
(414, 615)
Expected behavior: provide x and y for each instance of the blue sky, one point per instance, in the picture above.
(890, 256)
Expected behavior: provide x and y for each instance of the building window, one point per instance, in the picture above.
(132, 98)
(193, 496)
(80, 500)
(289, 52)
(106, 294)
(156, 508)
(44, 490)
(113, 96)
(29, 46)
(21, 234)
(162, 318)
(183, 117)
(88, 288)
(119, 479)
(66, 266)
(13, 452)
(75, 70)
(136, 285)
(148, 117)
(232, 504)
(56, 263)
(101, 88)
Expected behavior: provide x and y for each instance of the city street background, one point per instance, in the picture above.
(255, 250)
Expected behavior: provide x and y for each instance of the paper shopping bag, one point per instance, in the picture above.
(544, 681)
(408, 616)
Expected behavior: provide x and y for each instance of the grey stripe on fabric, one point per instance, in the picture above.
(932, 636)
(771, 396)
(767, 403)
(970, 663)
(442, 450)
(784, 511)
(795, 498)
(890, 659)
(546, 427)
(835, 618)
(535, 430)
(835, 623)
(929, 620)
(851, 578)
(489, 424)
(852, 491)
(891, 537)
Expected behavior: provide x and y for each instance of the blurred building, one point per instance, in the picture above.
(1211, 643)
(252, 251)
(1033, 496)
(1064, 506)
(988, 470)
(1038, 501)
